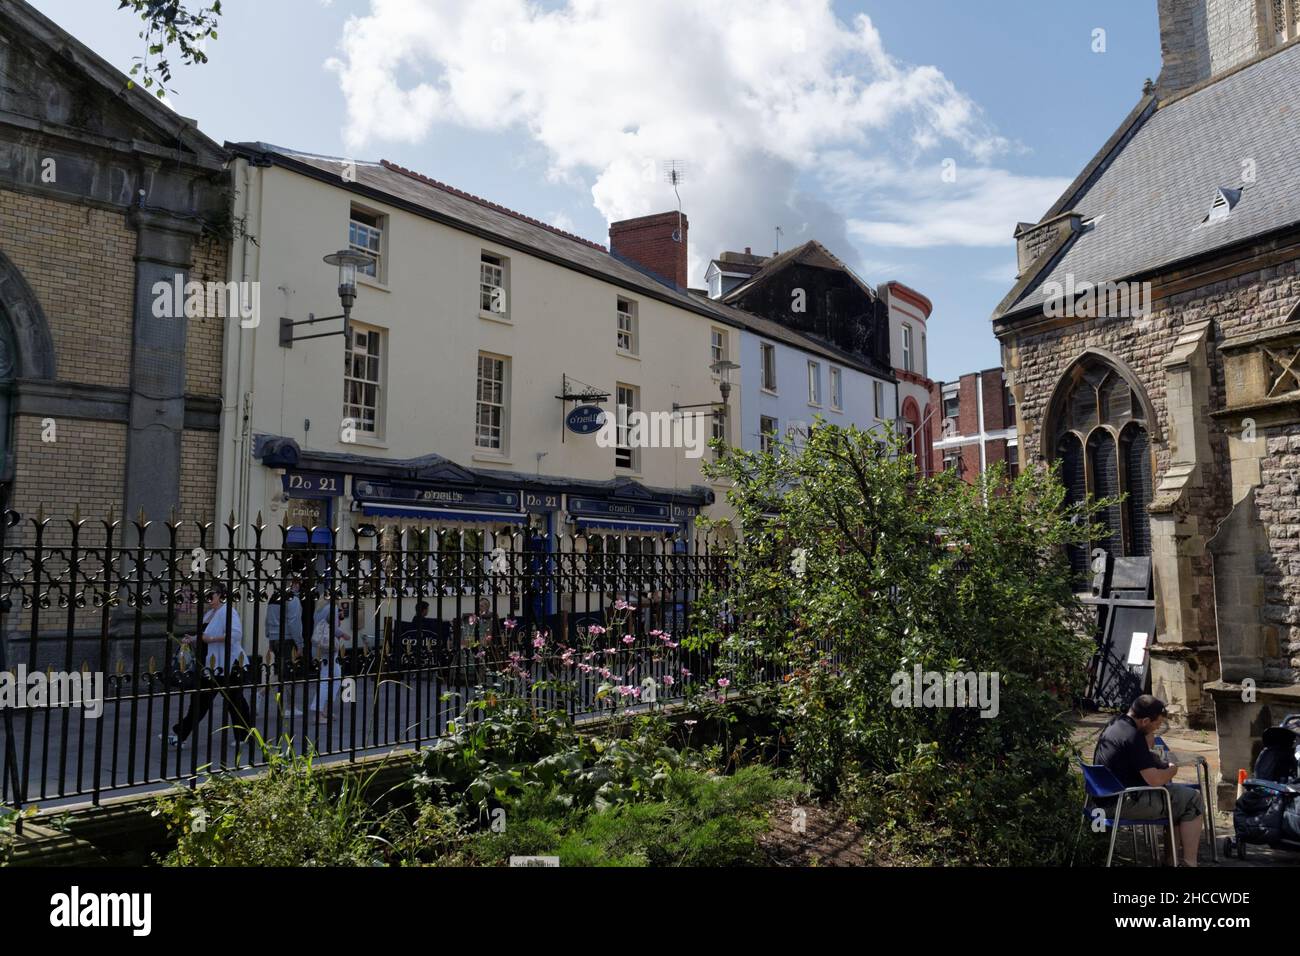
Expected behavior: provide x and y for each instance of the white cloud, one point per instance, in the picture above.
(757, 103)
(979, 208)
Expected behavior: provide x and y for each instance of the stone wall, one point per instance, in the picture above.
(1250, 301)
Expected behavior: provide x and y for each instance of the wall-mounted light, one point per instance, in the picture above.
(348, 262)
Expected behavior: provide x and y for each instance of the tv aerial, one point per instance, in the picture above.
(675, 175)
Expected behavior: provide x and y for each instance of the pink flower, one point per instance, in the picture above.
(539, 642)
(585, 668)
(668, 680)
(685, 672)
(629, 639)
(510, 624)
(595, 629)
(656, 633)
(724, 682)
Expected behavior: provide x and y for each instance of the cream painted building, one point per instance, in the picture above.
(444, 380)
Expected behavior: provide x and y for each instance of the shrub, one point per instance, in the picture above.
(290, 815)
(853, 569)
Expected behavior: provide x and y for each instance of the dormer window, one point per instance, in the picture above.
(1225, 200)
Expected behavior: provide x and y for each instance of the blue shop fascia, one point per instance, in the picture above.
(323, 490)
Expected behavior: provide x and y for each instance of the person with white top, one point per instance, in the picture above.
(221, 648)
(327, 654)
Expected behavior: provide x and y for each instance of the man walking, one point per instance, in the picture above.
(220, 645)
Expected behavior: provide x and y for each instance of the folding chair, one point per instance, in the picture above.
(1101, 784)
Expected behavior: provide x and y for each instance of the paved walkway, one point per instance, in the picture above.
(1206, 743)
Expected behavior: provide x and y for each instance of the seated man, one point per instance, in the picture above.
(1125, 750)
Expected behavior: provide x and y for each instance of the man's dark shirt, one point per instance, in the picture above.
(1122, 749)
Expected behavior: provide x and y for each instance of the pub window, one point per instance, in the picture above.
(625, 456)
(769, 367)
(627, 326)
(717, 345)
(363, 379)
(1102, 444)
(493, 279)
(366, 236)
(490, 403)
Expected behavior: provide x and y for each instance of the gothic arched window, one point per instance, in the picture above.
(1100, 438)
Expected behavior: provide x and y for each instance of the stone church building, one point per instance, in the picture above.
(104, 192)
(1152, 344)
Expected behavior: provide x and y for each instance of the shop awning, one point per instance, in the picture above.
(375, 510)
(618, 524)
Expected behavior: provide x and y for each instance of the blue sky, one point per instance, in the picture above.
(908, 137)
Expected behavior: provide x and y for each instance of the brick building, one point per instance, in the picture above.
(976, 425)
(1152, 345)
(103, 193)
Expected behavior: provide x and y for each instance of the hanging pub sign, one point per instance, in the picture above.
(585, 419)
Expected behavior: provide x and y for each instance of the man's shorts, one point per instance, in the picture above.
(1149, 805)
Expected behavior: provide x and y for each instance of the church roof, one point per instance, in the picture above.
(1145, 199)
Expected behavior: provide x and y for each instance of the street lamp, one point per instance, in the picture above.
(723, 370)
(348, 262)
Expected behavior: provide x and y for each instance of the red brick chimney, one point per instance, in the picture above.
(649, 241)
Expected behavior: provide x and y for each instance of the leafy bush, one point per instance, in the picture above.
(290, 815)
(702, 820)
(854, 569)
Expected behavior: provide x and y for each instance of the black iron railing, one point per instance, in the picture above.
(398, 631)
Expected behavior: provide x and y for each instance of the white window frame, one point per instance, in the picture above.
(907, 347)
(768, 437)
(499, 366)
(718, 345)
(628, 340)
(354, 384)
(368, 239)
(767, 353)
(493, 266)
(814, 383)
(626, 457)
(878, 397)
(837, 388)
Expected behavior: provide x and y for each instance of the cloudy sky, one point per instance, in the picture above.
(907, 137)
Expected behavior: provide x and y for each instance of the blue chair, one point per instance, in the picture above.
(1101, 784)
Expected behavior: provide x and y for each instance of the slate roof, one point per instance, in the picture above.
(396, 185)
(810, 253)
(1147, 202)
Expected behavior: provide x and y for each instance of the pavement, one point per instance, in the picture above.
(1203, 743)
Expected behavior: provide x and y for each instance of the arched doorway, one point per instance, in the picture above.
(26, 351)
